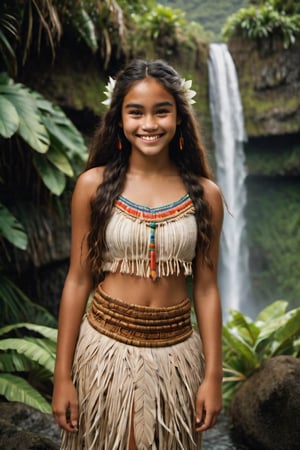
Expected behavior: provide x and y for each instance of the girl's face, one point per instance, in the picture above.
(149, 117)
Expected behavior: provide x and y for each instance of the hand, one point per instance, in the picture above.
(65, 405)
(208, 404)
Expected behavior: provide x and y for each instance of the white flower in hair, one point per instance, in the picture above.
(109, 88)
(185, 84)
(189, 93)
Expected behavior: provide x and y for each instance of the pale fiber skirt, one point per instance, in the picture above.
(117, 383)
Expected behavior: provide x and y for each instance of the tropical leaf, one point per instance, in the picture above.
(276, 309)
(85, 27)
(53, 178)
(60, 161)
(31, 128)
(16, 389)
(31, 349)
(67, 145)
(9, 118)
(11, 229)
(246, 327)
(14, 362)
(285, 335)
(46, 344)
(246, 344)
(48, 332)
(61, 128)
(240, 346)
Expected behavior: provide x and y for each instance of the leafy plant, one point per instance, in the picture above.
(265, 20)
(160, 21)
(27, 364)
(11, 229)
(247, 343)
(56, 143)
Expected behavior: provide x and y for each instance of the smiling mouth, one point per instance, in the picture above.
(151, 138)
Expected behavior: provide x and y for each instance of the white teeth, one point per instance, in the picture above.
(149, 138)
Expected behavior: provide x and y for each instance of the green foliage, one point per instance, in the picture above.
(27, 363)
(247, 343)
(84, 26)
(11, 229)
(159, 21)
(263, 21)
(288, 6)
(24, 117)
(162, 21)
(16, 306)
(47, 131)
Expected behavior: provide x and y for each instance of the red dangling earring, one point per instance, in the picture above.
(181, 141)
(119, 144)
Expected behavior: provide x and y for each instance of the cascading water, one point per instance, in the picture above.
(229, 135)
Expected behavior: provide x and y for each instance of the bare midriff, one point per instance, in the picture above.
(165, 291)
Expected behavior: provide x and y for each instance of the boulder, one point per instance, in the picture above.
(265, 411)
(25, 428)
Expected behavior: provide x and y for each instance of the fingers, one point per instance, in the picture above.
(206, 415)
(73, 421)
(205, 420)
(67, 418)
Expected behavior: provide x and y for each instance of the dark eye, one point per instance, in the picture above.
(162, 112)
(135, 112)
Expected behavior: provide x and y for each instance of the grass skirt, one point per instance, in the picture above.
(117, 383)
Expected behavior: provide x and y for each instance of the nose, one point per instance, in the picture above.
(149, 123)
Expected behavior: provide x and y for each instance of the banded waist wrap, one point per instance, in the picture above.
(137, 325)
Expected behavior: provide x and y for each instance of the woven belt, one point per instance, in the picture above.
(137, 325)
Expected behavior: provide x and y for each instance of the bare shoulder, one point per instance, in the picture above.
(212, 192)
(88, 182)
(214, 197)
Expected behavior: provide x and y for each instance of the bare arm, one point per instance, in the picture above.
(77, 287)
(209, 317)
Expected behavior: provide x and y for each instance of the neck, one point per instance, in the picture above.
(151, 166)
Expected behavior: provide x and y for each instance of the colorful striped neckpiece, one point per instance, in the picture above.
(154, 216)
(160, 213)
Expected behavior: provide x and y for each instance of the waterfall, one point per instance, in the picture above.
(228, 136)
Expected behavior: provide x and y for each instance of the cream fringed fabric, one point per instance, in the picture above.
(128, 238)
(154, 387)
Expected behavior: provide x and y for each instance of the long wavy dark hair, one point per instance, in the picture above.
(191, 161)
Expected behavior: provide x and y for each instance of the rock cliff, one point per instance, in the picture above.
(269, 79)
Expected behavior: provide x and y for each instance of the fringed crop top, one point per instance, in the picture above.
(151, 242)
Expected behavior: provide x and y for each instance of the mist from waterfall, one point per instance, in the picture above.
(229, 136)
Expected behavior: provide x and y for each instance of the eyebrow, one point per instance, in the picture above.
(157, 105)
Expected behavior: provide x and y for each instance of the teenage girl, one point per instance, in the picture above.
(131, 373)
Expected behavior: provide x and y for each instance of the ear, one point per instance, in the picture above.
(178, 120)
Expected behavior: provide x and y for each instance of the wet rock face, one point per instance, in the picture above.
(25, 428)
(269, 80)
(265, 412)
